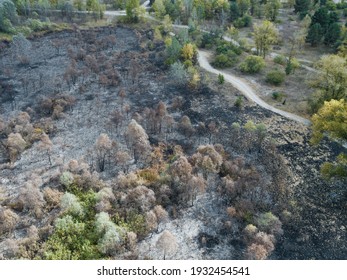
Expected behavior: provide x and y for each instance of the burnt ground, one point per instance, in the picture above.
(316, 229)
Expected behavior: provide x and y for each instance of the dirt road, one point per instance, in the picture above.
(245, 89)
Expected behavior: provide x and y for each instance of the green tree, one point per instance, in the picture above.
(333, 34)
(264, 35)
(331, 120)
(234, 11)
(255, 4)
(330, 81)
(96, 8)
(322, 17)
(271, 9)
(159, 9)
(302, 7)
(131, 10)
(8, 16)
(315, 34)
(173, 51)
(243, 6)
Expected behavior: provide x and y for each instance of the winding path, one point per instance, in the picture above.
(245, 89)
(237, 82)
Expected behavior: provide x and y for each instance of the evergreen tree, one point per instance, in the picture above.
(315, 34)
(333, 34)
(302, 7)
(321, 16)
(234, 11)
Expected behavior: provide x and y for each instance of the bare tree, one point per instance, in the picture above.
(21, 48)
(117, 118)
(122, 158)
(46, 146)
(186, 126)
(197, 185)
(208, 159)
(122, 94)
(151, 221)
(140, 198)
(167, 243)
(161, 113)
(103, 147)
(181, 172)
(161, 215)
(137, 139)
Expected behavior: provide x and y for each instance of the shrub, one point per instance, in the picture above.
(252, 64)
(269, 223)
(224, 47)
(8, 220)
(238, 102)
(292, 65)
(66, 179)
(280, 59)
(275, 77)
(225, 60)
(220, 79)
(207, 40)
(276, 95)
(70, 204)
(244, 21)
(69, 241)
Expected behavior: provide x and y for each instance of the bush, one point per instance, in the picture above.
(207, 40)
(244, 21)
(225, 60)
(224, 47)
(275, 77)
(220, 79)
(277, 95)
(280, 59)
(252, 64)
(238, 102)
(37, 25)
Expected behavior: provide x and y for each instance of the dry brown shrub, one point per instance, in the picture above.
(8, 220)
(52, 197)
(267, 240)
(31, 198)
(256, 252)
(231, 211)
(131, 241)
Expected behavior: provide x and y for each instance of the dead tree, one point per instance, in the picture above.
(167, 243)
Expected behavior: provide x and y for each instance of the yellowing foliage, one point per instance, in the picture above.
(188, 51)
(331, 119)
